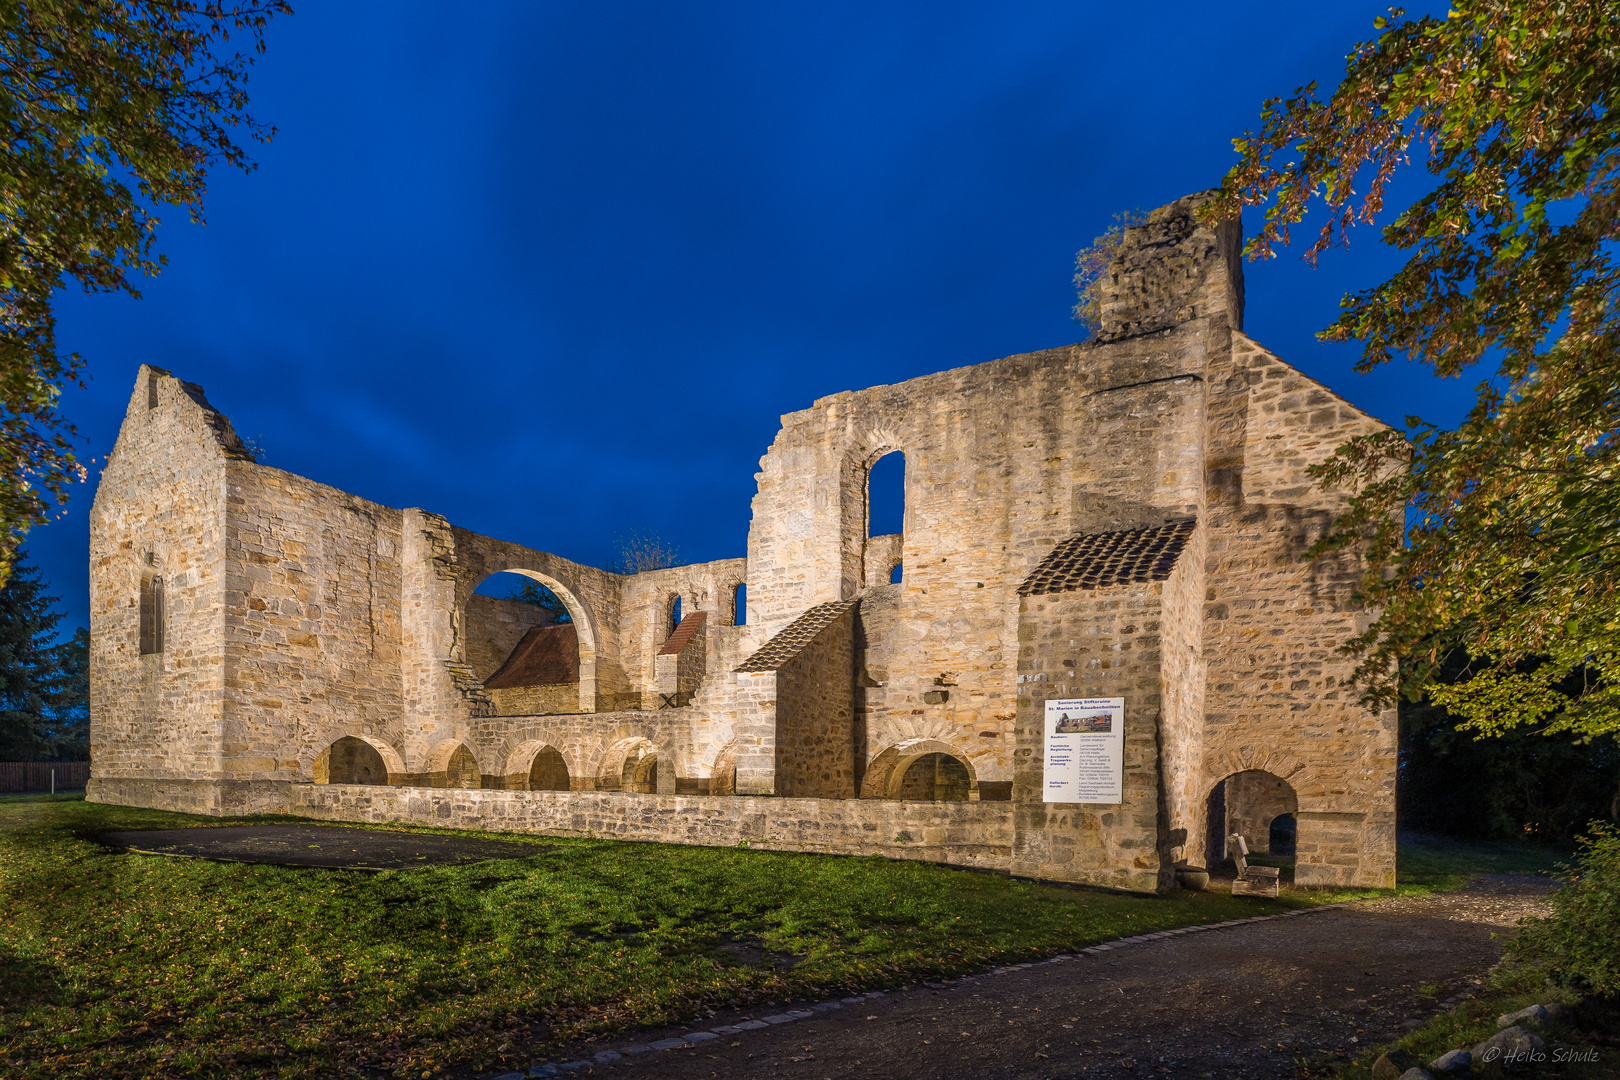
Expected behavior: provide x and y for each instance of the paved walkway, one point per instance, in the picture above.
(1242, 1000)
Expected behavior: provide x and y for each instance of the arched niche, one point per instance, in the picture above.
(453, 764)
(1246, 803)
(950, 775)
(537, 765)
(723, 776)
(635, 764)
(358, 759)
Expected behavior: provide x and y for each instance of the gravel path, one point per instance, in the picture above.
(1243, 1000)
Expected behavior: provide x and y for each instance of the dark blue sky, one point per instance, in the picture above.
(554, 270)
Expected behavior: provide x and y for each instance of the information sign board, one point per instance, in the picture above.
(1085, 751)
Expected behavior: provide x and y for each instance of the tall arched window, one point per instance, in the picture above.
(886, 495)
(739, 605)
(151, 614)
(674, 615)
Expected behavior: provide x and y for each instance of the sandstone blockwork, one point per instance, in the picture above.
(1124, 518)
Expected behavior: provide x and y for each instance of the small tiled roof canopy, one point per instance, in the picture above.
(683, 633)
(1098, 560)
(546, 656)
(795, 636)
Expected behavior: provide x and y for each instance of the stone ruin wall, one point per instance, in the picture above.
(348, 618)
(161, 492)
(1278, 697)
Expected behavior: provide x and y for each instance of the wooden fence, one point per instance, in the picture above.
(36, 775)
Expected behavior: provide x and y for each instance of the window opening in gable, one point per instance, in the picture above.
(151, 614)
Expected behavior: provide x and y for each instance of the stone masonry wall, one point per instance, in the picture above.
(815, 716)
(311, 622)
(1277, 697)
(959, 833)
(1094, 643)
(159, 510)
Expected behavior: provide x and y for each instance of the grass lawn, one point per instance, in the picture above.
(135, 965)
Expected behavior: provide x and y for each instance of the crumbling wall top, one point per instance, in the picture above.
(1171, 269)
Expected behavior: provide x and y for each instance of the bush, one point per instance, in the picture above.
(1579, 944)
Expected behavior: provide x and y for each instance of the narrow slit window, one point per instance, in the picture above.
(151, 614)
(739, 605)
(674, 614)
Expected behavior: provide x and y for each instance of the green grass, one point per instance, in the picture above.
(138, 965)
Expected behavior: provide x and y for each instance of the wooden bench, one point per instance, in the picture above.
(1251, 880)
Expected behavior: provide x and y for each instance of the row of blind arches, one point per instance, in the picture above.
(933, 777)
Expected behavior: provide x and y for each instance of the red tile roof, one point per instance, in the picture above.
(682, 633)
(546, 656)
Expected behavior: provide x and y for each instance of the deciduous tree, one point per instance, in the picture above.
(1499, 538)
(109, 109)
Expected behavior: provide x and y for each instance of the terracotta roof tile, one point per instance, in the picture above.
(1098, 560)
(682, 633)
(796, 635)
(546, 656)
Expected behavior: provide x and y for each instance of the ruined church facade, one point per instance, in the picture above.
(1125, 518)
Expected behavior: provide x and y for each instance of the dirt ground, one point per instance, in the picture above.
(1239, 1001)
(319, 845)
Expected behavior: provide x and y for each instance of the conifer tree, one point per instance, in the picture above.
(43, 685)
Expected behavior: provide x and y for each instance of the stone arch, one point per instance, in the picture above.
(723, 774)
(1245, 802)
(1275, 760)
(453, 764)
(392, 766)
(860, 454)
(581, 616)
(635, 764)
(736, 595)
(538, 762)
(886, 773)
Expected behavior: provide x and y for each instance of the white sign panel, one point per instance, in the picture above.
(1085, 751)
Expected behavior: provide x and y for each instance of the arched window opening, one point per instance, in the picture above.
(549, 772)
(674, 615)
(739, 605)
(723, 777)
(353, 761)
(463, 772)
(151, 614)
(936, 778)
(886, 495)
(521, 638)
(522, 589)
(897, 573)
(1250, 804)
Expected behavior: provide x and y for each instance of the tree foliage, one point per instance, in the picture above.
(1499, 539)
(1579, 943)
(1519, 786)
(530, 591)
(44, 685)
(108, 109)
(1092, 262)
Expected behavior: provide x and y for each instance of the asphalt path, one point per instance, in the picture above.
(1246, 1000)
